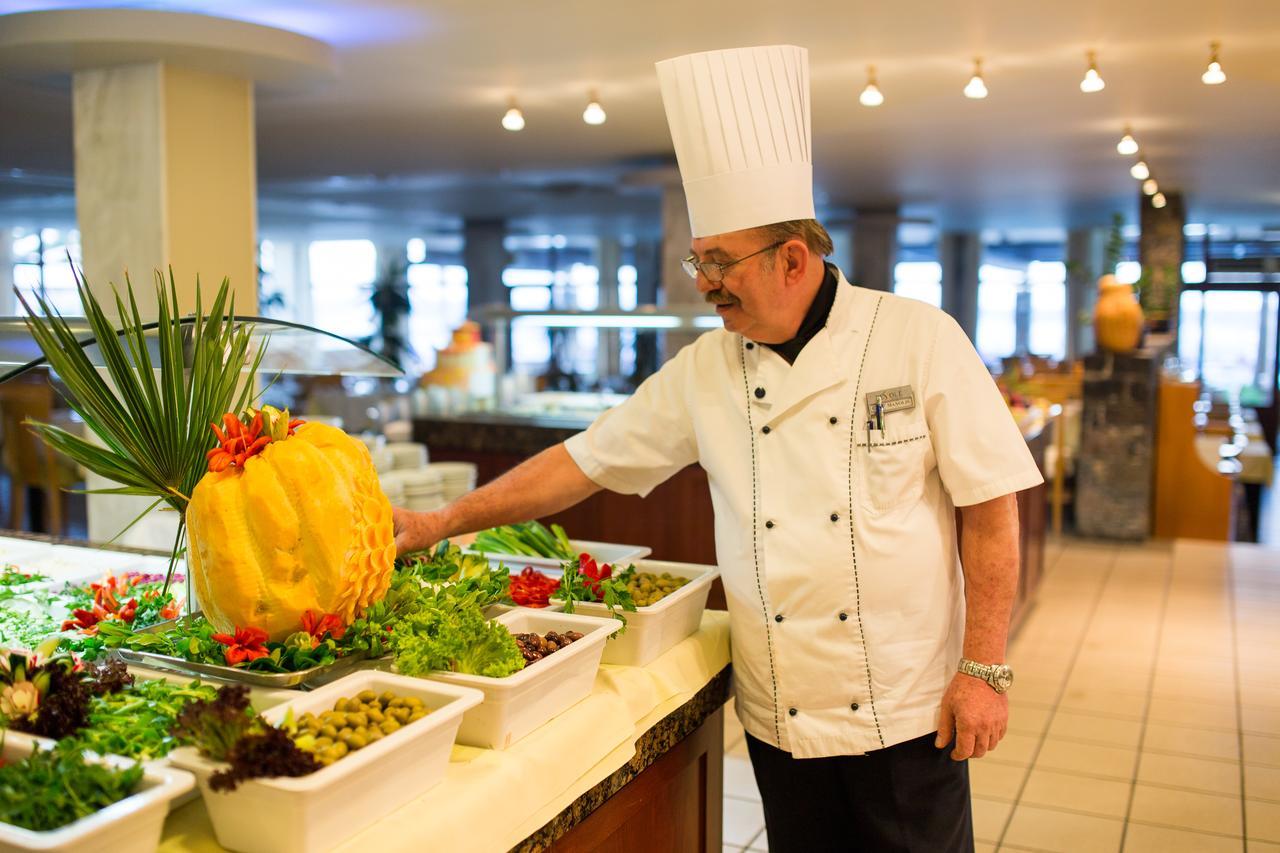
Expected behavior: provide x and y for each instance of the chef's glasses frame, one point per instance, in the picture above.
(713, 271)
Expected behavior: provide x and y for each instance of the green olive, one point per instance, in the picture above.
(417, 715)
(323, 743)
(375, 734)
(329, 731)
(375, 715)
(390, 725)
(366, 695)
(358, 741)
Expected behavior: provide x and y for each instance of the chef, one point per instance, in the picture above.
(839, 428)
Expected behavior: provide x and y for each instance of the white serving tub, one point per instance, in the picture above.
(654, 629)
(521, 702)
(602, 552)
(132, 825)
(315, 812)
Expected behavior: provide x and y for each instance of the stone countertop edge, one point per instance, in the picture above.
(652, 745)
(80, 543)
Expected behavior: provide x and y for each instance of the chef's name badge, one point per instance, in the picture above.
(900, 399)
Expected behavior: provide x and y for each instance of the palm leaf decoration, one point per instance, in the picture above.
(152, 414)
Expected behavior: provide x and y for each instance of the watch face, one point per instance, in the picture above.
(1002, 678)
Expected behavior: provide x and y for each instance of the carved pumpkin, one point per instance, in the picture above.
(287, 522)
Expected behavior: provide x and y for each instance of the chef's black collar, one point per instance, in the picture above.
(814, 319)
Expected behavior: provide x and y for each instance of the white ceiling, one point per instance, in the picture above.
(413, 112)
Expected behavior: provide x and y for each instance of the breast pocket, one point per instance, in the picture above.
(894, 466)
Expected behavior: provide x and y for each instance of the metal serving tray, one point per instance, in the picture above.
(303, 679)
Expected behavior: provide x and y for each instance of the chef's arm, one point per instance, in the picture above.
(989, 553)
(537, 487)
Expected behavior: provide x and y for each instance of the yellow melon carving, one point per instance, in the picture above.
(301, 524)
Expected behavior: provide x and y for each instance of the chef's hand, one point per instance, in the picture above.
(977, 715)
(416, 530)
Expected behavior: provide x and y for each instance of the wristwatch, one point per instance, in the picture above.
(998, 675)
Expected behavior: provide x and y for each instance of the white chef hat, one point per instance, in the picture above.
(739, 120)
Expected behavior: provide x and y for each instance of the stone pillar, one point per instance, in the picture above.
(960, 255)
(677, 288)
(1160, 251)
(1086, 253)
(1115, 467)
(485, 258)
(608, 258)
(166, 177)
(875, 249)
(8, 302)
(648, 274)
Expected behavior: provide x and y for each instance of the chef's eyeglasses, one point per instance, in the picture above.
(713, 271)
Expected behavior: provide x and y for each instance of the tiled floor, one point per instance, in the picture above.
(1145, 713)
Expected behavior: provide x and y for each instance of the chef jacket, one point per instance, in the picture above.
(836, 543)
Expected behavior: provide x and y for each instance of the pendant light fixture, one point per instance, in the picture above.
(1092, 81)
(976, 88)
(594, 113)
(1140, 171)
(1158, 200)
(513, 120)
(1150, 187)
(871, 95)
(1127, 145)
(1213, 75)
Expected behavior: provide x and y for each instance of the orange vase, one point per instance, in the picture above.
(1117, 318)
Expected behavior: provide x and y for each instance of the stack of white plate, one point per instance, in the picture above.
(459, 478)
(371, 441)
(392, 487)
(407, 455)
(383, 460)
(423, 489)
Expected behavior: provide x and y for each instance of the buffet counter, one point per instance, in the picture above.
(644, 750)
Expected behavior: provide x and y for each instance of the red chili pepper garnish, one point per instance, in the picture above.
(318, 626)
(245, 645)
(532, 588)
(593, 572)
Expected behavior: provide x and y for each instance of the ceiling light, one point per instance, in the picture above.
(871, 96)
(1140, 171)
(1150, 187)
(1092, 81)
(514, 119)
(1213, 74)
(1158, 200)
(976, 88)
(594, 113)
(1127, 144)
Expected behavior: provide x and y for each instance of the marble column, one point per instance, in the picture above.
(1160, 252)
(8, 302)
(166, 177)
(677, 288)
(608, 258)
(960, 255)
(485, 258)
(1086, 252)
(875, 249)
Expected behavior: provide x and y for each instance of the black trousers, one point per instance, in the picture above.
(907, 797)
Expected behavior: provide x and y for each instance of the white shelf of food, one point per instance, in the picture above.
(131, 825)
(315, 812)
(521, 702)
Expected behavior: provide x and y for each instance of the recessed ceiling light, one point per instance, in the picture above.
(871, 95)
(513, 120)
(1127, 144)
(594, 113)
(1213, 74)
(976, 88)
(1092, 81)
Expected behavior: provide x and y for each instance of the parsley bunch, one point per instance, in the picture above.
(52, 788)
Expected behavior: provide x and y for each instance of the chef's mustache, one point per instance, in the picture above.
(720, 296)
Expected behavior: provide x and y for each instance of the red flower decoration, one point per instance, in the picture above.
(318, 626)
(245, 645)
